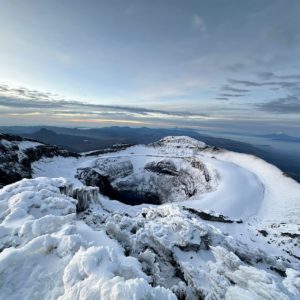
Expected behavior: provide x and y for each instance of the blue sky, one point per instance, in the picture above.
(150, 63)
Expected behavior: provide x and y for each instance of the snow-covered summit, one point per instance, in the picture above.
(180, 142)
(220, 225)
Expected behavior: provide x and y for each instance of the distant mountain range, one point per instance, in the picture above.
(90, 139)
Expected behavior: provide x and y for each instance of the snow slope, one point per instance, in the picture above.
(281, 200)
(186, 249)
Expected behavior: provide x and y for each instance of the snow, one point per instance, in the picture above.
(282, 194)
(239, 194)
(23, 145)
(115, 251)
(247, 187)
(58, 167)
(52, 255)
(292, 281)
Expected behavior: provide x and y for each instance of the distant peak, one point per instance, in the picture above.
(45, 131)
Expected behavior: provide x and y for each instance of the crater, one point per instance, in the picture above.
(150, 180)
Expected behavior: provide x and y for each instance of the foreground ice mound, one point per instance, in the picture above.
(48, 254)
(167, 252)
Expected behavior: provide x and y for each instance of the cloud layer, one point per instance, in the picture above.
(176, 64)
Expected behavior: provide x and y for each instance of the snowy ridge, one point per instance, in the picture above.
(282, 194)
(17, 154)
(227, 229)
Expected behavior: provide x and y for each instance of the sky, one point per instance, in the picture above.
(229, 64)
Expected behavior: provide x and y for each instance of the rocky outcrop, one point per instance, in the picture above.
(17, 154)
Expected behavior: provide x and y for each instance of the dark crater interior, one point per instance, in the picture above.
(157, 182)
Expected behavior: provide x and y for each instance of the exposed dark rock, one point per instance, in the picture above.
(263, 232)
(15, 162)
(280, 272)
(164, 167)
(291, 235)
(112, 149)
(209, 217)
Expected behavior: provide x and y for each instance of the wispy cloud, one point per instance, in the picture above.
(289, 104)
(198, 23)
(222, 98)
(249, 83)
(231, 95)
(271, 75)
(33, 99)
(234, 89)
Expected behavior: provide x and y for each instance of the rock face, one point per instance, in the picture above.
(154, 180)
(17, 154)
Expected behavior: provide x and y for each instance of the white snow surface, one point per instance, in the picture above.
(116, 251)
(49, 254)
(23, 145)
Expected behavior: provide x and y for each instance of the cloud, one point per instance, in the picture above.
(33, 99)
(266, 75)
(233, 89)
(286, 105)
(222, 98)
(283, 84)
(236, 67)
(244, 82)
(26, 93)
(271, 75)
(198, 23)
(231, 95)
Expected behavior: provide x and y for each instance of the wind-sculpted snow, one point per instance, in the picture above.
(221, 237)
(48, 254)
(192, 258)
